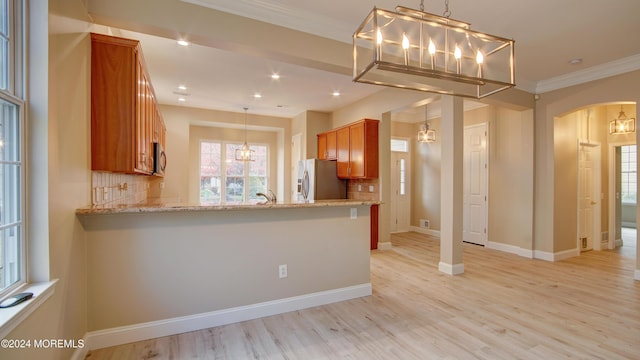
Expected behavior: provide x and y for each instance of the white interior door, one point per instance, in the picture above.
(400, 192)
(475, 185)
(588, 197)
(586, 201)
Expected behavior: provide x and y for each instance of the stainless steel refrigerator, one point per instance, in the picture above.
(318, 180)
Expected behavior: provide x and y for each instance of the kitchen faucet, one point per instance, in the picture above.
(270, 196)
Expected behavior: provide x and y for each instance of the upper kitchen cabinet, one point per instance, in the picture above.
(357, 150)
(327, 146)
(125, 120)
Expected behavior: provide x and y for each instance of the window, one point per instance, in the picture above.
(231, 181)
(12, 264)
(400, 145)
(629, 173)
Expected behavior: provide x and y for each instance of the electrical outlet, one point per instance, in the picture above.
(424, 223)
(354, 213)
(371, 188)
(282, 271)
(359, 187)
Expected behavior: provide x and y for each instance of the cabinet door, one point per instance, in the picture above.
(322, 146)
(342, 141)
(356, 150)
(332, 145)
(141, 114)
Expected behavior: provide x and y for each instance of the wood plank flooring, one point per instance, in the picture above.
(502, 307)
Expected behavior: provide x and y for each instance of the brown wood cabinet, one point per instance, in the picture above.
(327, 147)
(357, 150)
(125, 120)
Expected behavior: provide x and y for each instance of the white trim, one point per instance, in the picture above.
(455, 269)
(384, 245)
(13, 316)
(144, 331)
(543, 255)
(617, 243)
(636, 275)
(511, 249)
(285, 16)
(431, 232)
(533, 254)
(612, 68)
(566, 254)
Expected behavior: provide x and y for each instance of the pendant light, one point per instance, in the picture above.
(245, 153)
(622, 124)
(426, 135)
(414, 49)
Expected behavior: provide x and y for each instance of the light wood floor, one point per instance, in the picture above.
(502, 307)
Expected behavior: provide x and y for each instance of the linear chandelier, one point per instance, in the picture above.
(413, 49)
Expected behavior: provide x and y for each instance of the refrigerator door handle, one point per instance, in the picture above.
(305, 185)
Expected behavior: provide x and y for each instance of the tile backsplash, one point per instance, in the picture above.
(366, 189)
(120, 189)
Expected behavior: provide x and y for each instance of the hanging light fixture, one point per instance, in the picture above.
(245, 153)
(413, 49)
(622, 124)
(425, 134)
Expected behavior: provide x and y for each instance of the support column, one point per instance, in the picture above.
(452, 135)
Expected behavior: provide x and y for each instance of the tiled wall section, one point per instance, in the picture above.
(120, 189)
(368, 189)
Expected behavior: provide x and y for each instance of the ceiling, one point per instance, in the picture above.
(549, 34)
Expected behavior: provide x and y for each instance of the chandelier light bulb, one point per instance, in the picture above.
(379, 37)
(479, 57)
(457, 53)
(405, 42)
(432, 48)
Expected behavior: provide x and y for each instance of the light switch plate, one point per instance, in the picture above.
(354, 213)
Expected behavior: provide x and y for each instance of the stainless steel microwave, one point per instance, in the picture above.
(160, 158)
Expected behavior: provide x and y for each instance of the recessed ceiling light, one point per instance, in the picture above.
(575, 61)
(275, 76)
(181, 99)
(183, 42)
(336, 93)
(182, 87)
(257, 96)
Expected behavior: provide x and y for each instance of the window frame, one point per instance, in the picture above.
(246, 176)
(15, 94)
(624, 184)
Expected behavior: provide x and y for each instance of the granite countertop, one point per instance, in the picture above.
(159, 207)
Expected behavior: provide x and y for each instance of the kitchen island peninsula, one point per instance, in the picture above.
(160, 269)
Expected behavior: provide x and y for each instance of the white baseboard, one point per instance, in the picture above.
(455, 269)
(566, 254)
(384, 245)
(511, 249)
(617, 242)
(636, 275)
(422, 230)
(533, 254)
(144, 331)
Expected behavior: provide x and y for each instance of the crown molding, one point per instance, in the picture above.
(267, 11)
(616, 67)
